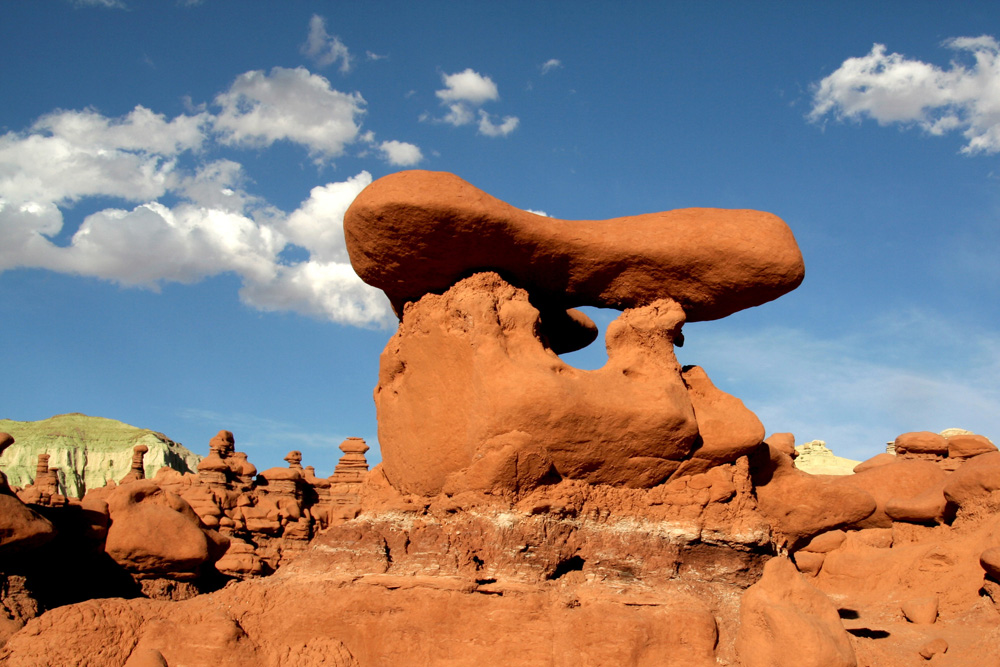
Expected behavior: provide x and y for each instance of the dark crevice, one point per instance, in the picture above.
(868, 633)
(848, 613)
(388, 553)
(572, 564)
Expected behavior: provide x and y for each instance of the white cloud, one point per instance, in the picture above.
(219, 185)
(153, 243)
(468, 86)
(289, 104)
(213, 226)
(550, 65)
(464, 93)
(459, 113)
(371, 55)
(188, 216)
(317, 224)
(891, 88)
(331, 290)
(23, 231)
(401, 153)
(67, 155)
(487, 127)
(324, 49)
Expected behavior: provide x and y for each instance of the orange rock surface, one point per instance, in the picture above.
(417, 232)
(527, 512)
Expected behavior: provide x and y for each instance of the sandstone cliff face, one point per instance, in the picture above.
(573, 574)
(88, 451)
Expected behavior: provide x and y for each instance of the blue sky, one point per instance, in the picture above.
(173, 176)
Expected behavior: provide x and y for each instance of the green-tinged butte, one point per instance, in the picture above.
(88, 451)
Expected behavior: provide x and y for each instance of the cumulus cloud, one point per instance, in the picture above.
(550, 65)
(289, 104)
(324, 49)
(891, 88)
(317, 224)
(330, 290)
(464, 93)
(468, 86)
(400, 153)
(153, 243)
(491, 129)
(67, 155)
(184, 223)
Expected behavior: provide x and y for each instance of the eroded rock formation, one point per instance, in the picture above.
(531, 513)
(87, 451)
(417, 232)
(170, 537)
(471, 393)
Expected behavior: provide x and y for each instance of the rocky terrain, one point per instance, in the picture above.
(527, 512)
(87, 451)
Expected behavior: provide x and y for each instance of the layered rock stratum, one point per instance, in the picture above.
(87, 451)
(527, 512)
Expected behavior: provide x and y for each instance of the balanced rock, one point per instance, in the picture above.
(933, 648)
(928, 507)
(895, 482)
(990, 561)
(783, 442)
(417, 232)
(882, 459)
(800, 506)
(921, 610)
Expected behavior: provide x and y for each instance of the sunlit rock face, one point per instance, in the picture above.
(471, 391)
(467, 377)
(631, 515)
(87, 451)
(418, 232)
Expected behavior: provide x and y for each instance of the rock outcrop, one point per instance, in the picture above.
(21, 528)
(816, 458)
(417, 232)
(527, 512)
(87, 451)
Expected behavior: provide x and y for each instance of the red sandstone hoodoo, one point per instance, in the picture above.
(527, 511)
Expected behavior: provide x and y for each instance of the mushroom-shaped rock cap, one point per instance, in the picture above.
(278, 474)
(213, 463)
(417, 232)
(223, 441)
(354, 446)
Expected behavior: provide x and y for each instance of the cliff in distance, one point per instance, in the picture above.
(88, 451)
